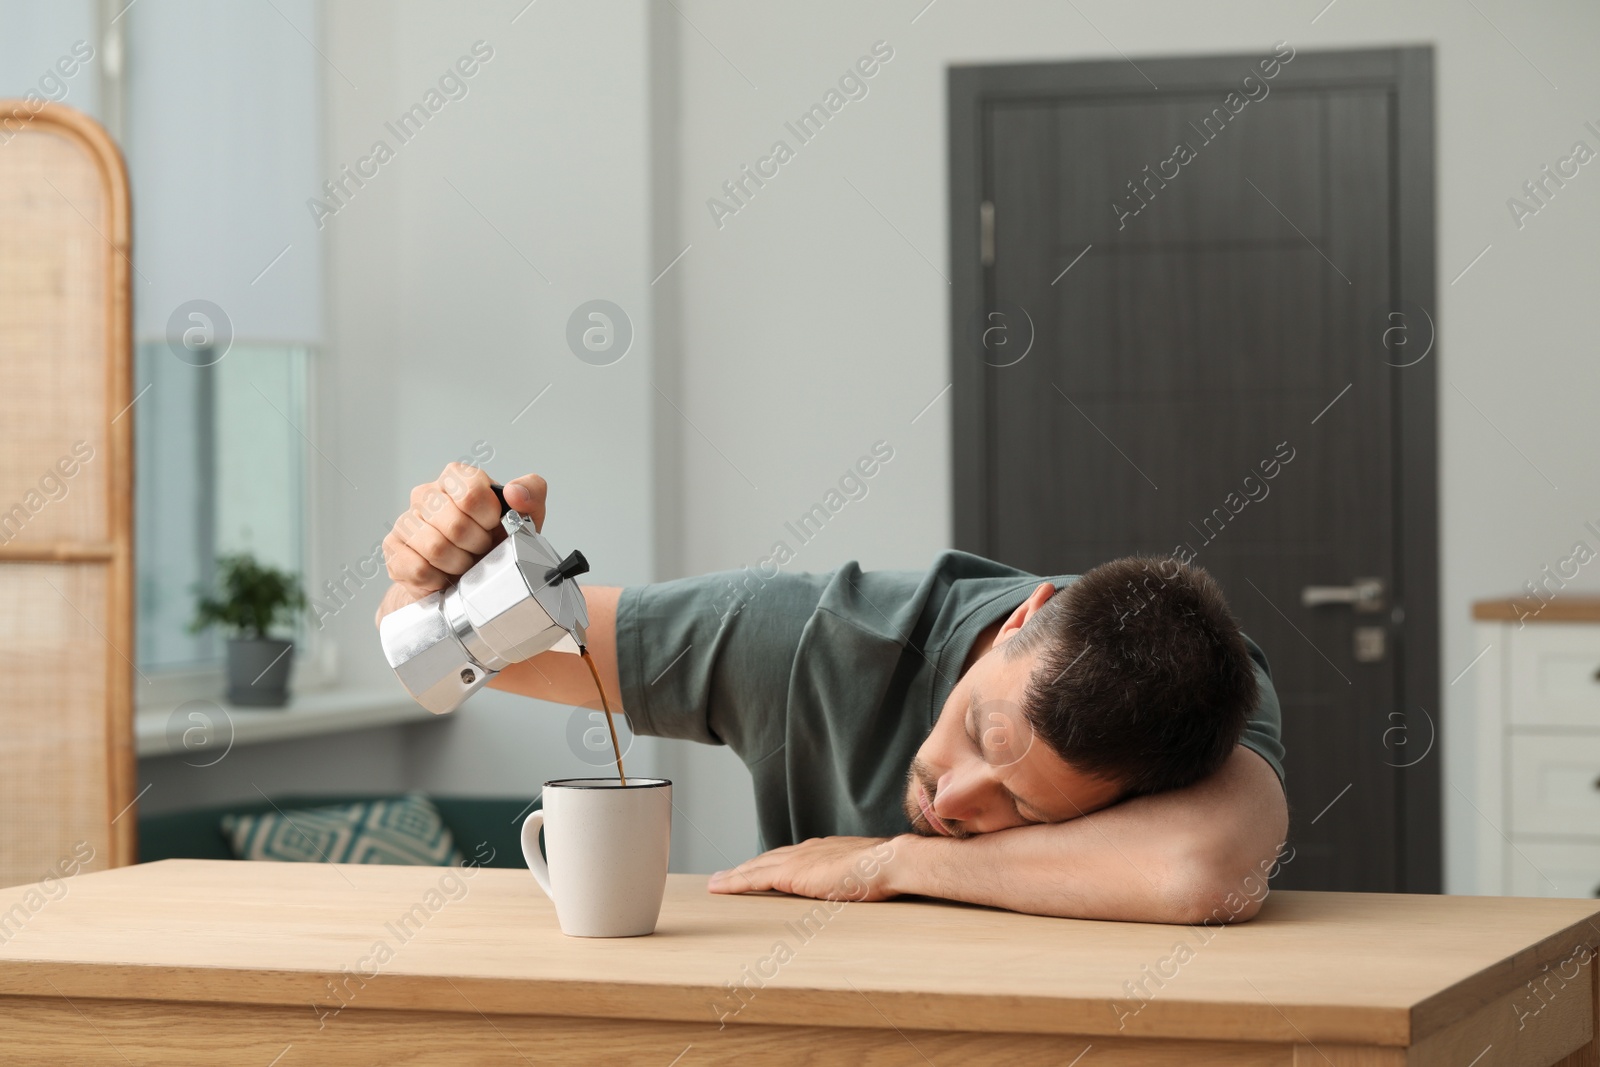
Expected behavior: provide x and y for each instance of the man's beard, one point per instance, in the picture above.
(917, 774)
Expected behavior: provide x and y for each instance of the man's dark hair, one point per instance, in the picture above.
(1143, 676)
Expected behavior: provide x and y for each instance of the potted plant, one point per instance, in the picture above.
(252, 599)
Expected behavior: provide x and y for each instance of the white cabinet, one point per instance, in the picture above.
(1552, 787)
(1551, 669)
(1538, 798)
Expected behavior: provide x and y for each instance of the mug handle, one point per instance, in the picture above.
(530, 851)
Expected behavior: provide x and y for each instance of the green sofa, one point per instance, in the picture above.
(485, 828)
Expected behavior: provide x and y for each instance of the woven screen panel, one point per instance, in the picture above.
(53, 774)
(53, 282)
(66, 624)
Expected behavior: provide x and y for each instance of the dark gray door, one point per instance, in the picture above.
(1187, 333)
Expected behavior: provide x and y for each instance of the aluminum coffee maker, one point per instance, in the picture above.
(518, 601)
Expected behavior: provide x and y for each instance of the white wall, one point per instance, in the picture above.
(222, 116)
(443, 329)
(37, 36)
(811, 327)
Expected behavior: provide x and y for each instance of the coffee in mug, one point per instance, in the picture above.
(606, 843)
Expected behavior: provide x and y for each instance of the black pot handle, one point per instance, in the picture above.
(500, 495)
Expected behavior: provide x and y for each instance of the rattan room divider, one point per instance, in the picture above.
(67, 762)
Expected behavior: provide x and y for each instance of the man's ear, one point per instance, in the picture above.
(1025, 611)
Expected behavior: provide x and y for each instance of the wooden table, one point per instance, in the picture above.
(210, 962)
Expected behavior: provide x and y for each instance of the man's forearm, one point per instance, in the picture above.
(563, 678)
(1181, 857)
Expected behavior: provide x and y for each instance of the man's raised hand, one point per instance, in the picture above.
(451, 523)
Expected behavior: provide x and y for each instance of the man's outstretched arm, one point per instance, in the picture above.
(1179, 857)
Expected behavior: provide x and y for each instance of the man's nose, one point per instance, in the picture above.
(958, 797)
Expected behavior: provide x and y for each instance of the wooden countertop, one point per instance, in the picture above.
(1319, 967)
(1556, 609)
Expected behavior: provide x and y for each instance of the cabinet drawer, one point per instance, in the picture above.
(1555, 674)
(1555, 784)
(1545, 869)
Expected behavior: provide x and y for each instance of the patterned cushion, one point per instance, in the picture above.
(406, 830)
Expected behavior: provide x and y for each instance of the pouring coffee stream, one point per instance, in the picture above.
(606, 708)
(519, 600)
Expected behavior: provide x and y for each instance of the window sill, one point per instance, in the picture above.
(163, 731)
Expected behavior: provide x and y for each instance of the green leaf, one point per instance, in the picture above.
(249, 599)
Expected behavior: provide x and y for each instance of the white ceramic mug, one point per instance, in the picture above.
(607, 845)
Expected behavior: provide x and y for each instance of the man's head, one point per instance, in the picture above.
(1134, 679)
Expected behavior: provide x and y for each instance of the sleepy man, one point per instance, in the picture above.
(1104, 746)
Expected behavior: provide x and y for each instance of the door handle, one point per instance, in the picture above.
(1364, 594)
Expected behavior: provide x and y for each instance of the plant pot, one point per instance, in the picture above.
(258, 671)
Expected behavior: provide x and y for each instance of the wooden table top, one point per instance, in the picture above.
(1360, 968)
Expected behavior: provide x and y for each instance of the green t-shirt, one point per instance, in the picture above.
(825, 685)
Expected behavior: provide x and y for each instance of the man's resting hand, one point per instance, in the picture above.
(826, 868)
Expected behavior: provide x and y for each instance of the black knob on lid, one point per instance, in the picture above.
(570, 567)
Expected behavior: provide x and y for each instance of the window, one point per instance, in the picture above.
(221, 467)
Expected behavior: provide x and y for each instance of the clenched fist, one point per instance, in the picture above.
(452, 522)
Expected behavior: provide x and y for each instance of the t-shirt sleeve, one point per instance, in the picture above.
(709, 658)
(1263, 734)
